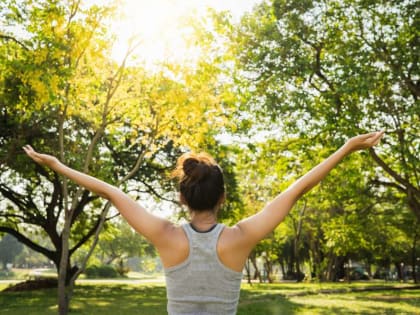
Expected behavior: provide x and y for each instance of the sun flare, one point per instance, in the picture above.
(160, 26)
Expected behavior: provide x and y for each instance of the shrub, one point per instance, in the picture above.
(7, 274)
(102, 271)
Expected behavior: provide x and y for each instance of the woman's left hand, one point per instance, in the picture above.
(364, 141)
(43, 159)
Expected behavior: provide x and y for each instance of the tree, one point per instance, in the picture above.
(330, 70)
(314, 73)
(10, 248)
(62, 94)
(121, 242)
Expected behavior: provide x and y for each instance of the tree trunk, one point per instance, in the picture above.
(63, 293)
(283, 271)
(248, 271)
(291, 265)
(400, 271)
(257, 273)
(414, 252)
(298, 233)
(65, 290)
(268, 266)
(331, 268)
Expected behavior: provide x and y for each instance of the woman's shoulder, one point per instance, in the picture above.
(231, 248)
(176, 248)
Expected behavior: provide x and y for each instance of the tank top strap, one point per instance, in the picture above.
(211, 237)
(216, 232)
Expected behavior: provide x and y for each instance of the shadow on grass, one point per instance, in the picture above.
(266, 304)
(129, 299)
(30, 302)
(360, 303)
(119, 299)
(89, 300)
(406, 300)
(273, 300)
(253, 303)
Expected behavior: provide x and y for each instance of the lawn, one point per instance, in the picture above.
(266, 299)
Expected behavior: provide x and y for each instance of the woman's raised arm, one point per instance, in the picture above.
(157, 230)
(256, 227)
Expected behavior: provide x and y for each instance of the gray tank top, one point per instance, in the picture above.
(202, 285)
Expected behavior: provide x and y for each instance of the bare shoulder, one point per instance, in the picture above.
(174, 248)
(231, 234)
(173, 236)
(232, 248)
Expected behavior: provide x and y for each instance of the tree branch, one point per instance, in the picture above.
(22, 203)
(11, 38)
(81, 204)
(85, 237)
(394, 174)
(55, 200)
(389, 184)
(154, 192)
(23, 239)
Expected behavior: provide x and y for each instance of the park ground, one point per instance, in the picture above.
(147, 297)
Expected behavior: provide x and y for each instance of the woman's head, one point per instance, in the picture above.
(201, 181)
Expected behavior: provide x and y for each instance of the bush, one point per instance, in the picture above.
(103, 271)
(7, 274)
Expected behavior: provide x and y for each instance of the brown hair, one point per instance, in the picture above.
(201, 181)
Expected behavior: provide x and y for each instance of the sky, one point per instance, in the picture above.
(158, 25)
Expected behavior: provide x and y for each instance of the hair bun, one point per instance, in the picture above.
(189, 166)
(200, 179)
(195, 170)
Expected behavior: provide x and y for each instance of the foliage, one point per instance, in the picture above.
(10, 248)
(120, 242)
(330, 70)
(285, 86)
(343, 218)
(6, 274)
(102, 271)
(305, 76)
(61, 93)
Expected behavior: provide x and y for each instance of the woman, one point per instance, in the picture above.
(203, 259)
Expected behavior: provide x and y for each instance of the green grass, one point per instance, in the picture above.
(265, 299)
(303, 299)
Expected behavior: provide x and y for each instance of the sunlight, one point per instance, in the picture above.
(160, 26)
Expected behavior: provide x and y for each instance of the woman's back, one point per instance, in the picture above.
(202, 284)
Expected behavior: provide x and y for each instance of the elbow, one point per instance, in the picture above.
(294, 193)
(104, 195)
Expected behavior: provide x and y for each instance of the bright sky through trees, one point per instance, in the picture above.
(160, 25)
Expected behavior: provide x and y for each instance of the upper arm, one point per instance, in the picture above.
(256, 227)
(156, 229)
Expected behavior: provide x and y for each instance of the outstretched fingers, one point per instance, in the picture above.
(376, 137)
(365, 141)
(37, 157)
(28, 149)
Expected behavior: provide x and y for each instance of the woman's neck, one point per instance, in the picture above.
(203, 221)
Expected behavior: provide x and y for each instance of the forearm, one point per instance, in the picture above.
(274, 212)
(319, 172)
(254, 228)
(92, 184)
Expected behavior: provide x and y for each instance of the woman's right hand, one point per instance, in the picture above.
(43, 159)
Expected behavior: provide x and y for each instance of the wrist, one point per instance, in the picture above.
(55, 164)
(347, 148)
